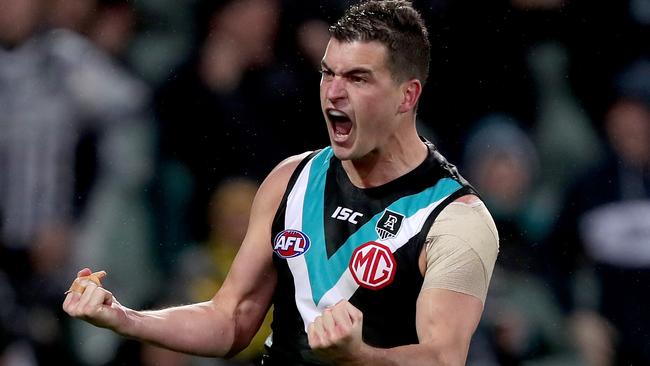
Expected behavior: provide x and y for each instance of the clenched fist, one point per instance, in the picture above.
(87, 300)
(335, 335)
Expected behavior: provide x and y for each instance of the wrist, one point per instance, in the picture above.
(127, 324)
(363, 356)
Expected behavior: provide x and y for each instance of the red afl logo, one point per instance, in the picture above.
(373, 266)
(290, 243)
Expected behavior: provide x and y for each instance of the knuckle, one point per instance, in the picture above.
(328, 343)
(315, 342)
(344, 330)
(312, 341)
(74, 312)
(87, 309)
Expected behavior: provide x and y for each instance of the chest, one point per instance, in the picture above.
(335, 239)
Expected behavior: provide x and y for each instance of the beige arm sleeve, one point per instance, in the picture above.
(461, 248)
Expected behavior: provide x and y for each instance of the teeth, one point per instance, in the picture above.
(335, 113)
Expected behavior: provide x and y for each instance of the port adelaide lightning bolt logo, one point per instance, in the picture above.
(389, 224)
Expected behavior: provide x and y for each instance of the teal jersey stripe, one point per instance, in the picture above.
(324, 273)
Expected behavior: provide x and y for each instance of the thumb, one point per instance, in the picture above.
(84, 272)
(108, 299)
(97, 276)
(355, 314)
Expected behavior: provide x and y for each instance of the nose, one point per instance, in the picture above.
(336, 89)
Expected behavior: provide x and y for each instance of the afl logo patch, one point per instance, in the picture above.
(373, 266)
(290, 243)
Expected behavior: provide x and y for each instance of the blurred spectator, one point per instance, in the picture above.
(113, 26)
(605, 230)
(565, 136)
(312, 37)
(56, 91)
(478, 66)
(307, 125)
(552, 5)
(109, 24)
(521, 323)
(224, 113)
(502, 162)
(74, 15)
(634, 80)
(164, 37)
(604, 38)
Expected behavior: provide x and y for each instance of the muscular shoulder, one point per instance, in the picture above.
(281, 174)
(255, 253)
(470, 221)
(462, 246)
(275, 184)
(288, 165)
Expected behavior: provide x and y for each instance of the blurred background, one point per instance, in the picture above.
(133, 135)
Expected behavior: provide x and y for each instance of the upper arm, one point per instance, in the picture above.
(445, 321)
(461, 250)
(248, 289)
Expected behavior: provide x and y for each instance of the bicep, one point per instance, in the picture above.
(460, 255)
(445, 321)
(248, 289)
(252, 277)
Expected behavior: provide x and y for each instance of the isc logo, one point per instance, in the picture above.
(373, 266)
(346, 214)
(290, 243)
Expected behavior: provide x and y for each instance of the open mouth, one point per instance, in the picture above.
(341, 123)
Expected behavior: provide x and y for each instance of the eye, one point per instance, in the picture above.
(327, 74)
(357, 79)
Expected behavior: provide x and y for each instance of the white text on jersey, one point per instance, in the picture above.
(346, 214)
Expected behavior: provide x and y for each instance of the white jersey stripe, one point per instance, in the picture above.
(297, 265)
(411, 226)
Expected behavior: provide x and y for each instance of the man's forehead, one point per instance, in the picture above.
(345, 55)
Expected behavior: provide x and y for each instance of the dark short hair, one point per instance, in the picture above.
(395, 24)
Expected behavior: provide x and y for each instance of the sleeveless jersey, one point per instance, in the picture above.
(334, 241)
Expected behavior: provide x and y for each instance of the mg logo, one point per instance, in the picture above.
(373, 266)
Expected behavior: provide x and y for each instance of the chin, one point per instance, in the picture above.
(342, 153)
(349, 149)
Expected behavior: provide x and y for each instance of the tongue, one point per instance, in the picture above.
(342, 128)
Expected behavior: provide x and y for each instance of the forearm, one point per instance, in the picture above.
(201, 329)
(410, 355)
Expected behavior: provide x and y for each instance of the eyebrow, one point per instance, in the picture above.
(353, 71)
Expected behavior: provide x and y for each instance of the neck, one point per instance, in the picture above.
(380, 166)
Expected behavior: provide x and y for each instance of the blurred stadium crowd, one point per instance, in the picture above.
(133, 135)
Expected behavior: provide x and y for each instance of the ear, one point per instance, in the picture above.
(411, 91)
